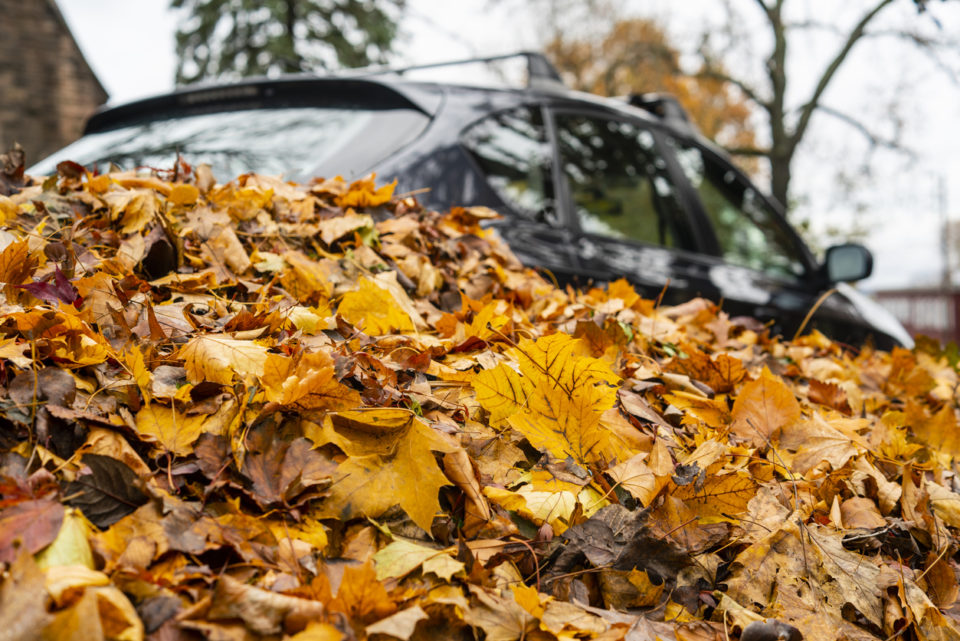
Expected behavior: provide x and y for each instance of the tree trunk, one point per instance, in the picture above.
(780, 179)
(292, 62)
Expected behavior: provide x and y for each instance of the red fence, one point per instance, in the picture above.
(932, 312)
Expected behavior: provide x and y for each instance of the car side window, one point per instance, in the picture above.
(749, 233)
(617, 180)
(513, 152)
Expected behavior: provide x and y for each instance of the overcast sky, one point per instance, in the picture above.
(130, 46)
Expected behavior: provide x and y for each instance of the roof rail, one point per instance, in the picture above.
(540, 71)
(664, 106)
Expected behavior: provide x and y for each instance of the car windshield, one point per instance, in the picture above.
(297, 143)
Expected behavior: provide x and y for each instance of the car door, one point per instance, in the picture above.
(511, 149)
(758, 264)
(628, 217)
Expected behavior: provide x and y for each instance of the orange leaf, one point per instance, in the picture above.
(184, 194)
(364, 193)
(763, 407)
(362, 597)
(829, 394)
(720, 374)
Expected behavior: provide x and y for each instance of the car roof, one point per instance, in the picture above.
(384, 89)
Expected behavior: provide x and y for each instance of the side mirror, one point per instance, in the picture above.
(847, 262)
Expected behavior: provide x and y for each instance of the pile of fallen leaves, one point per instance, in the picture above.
(255, 409)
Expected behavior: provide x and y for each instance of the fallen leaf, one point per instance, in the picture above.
(400, 625)
(362, 597)
(816, 441)
(857, 512)
(262, 611)
(23, 600)
(374, 310)
(282, 470)
(30, 526)
(763, 408)
(557, 399)
(369, 485)
(217, 359)
(106, 495)
(336, 228)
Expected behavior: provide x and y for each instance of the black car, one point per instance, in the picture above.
(592, 189)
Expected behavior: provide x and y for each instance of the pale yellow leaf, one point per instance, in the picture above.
(400, 625)
(335, 228)
(635, 477)
(217, 358)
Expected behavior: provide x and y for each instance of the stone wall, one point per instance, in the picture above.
(47, 89)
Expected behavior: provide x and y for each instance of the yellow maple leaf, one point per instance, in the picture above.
(184, 194)
(364, 193)
(369, 484)
(175, 431)
(810, 443)
(556, 400)
(403, 557)
(306, 279)
(374, 310)
(217, 359)
(635, 477)
(361, 596)
(502, 392)
(713, 412)
(762, 408)
(16, 263)
(720, 497)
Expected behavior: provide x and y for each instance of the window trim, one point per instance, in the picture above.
(713, 248)
(559, 219)
(691, 241)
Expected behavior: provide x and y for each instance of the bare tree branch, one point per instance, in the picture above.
(712, 73)
(813, 25)
(931, 47)
(765, 8)
(754, 152)
(873, 138)
(831, 70)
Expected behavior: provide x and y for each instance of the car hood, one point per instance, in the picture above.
(875, 314)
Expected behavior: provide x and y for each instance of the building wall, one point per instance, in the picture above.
(47, 89)
(925, 312)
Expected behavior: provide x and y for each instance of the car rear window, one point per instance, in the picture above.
(297, 143)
